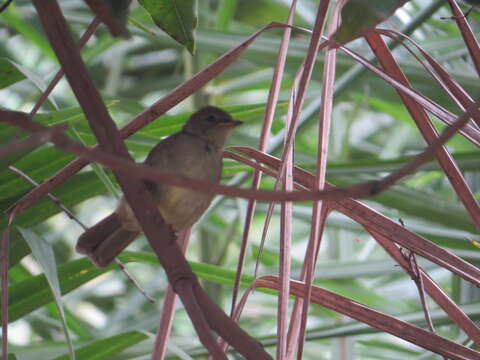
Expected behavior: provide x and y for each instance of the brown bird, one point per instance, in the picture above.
(194, 152)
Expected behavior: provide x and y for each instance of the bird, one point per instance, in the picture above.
(194, 152)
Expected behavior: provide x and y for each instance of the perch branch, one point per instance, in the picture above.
(160, 236)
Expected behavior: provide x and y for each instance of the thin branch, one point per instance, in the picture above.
(417, 278)
(37, 138)
(432, 288)
(52, 197)
(318, 211)
(4, 258)
(272, 101)
(168, 309)
(58, 76)
(3, 8)
(138, 171)
(103, 12)
(134, 281)
(467, 34)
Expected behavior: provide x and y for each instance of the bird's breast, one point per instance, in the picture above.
(182, 207)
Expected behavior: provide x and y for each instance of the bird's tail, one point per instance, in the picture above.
(105, 240)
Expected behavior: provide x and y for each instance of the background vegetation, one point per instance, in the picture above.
(371, 134)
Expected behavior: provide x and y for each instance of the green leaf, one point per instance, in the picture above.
(268, 258)
(37, 80)
(18, 248)
(33, 293)
(372, 13)
(76, 326)
(13, 156)
(261, 12)
(38, 165)
(106, 348)
(225, 12)
(77, 189)
(43, 253)
(10, 133)
(99, 171)
(9, 74)
(178, 18)
(14, 19)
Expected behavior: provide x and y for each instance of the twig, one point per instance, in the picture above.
(135, 283)
(81, 43)
(272, 101)
(455, 17)
(52, 197)
(34, 140)
(4, 285)
(417, 278)
(414, 273)
(168, 309)
(104, 13)
(3, 8)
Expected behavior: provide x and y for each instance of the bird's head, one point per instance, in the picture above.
(212, 124)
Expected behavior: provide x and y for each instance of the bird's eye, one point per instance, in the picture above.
(211, 118)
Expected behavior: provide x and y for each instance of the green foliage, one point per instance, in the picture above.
(106, 348)
(9, 74)
(43, 253)
(178, 18)
(373, 12)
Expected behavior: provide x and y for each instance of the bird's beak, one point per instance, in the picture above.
(231, 123)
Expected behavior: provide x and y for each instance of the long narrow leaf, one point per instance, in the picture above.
(43, 253)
